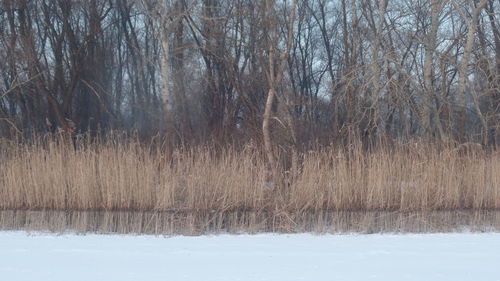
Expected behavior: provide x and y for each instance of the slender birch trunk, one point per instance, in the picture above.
(165, 73)
(375, 66)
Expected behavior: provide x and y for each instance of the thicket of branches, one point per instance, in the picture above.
(228, 70)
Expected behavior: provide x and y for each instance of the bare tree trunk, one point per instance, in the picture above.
(275, 78)
(482, 119)
(272, 91)
(496, 33)
(161, 13)
(349, 90)
(429, 92)
(376, 68)
(178, 65)
(266, 131)
(462, 76)
(495, 97)
(165, 74)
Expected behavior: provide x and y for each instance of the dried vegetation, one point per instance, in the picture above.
(125, 175)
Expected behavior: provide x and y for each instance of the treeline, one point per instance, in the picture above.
(287, 72)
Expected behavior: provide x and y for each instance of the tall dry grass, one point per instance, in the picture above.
(126, 175)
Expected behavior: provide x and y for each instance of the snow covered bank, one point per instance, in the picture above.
(246, 257)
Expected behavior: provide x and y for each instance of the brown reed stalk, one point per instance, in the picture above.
(124, 174)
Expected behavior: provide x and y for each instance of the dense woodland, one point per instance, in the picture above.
(287, 72)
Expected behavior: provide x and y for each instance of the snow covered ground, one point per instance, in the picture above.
(36, 257)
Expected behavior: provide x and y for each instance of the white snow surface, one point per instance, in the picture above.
(387, 257)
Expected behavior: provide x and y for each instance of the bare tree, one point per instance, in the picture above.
(275, 72)
(168, 19)
(225, 70)
(464, 65)
(430, 45)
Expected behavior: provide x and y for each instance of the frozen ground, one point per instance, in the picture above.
(385, 257)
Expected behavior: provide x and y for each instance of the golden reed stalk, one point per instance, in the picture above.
(126, 175)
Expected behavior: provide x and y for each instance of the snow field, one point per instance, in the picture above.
(274, 257)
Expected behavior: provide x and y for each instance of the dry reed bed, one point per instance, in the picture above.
(125, 175)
